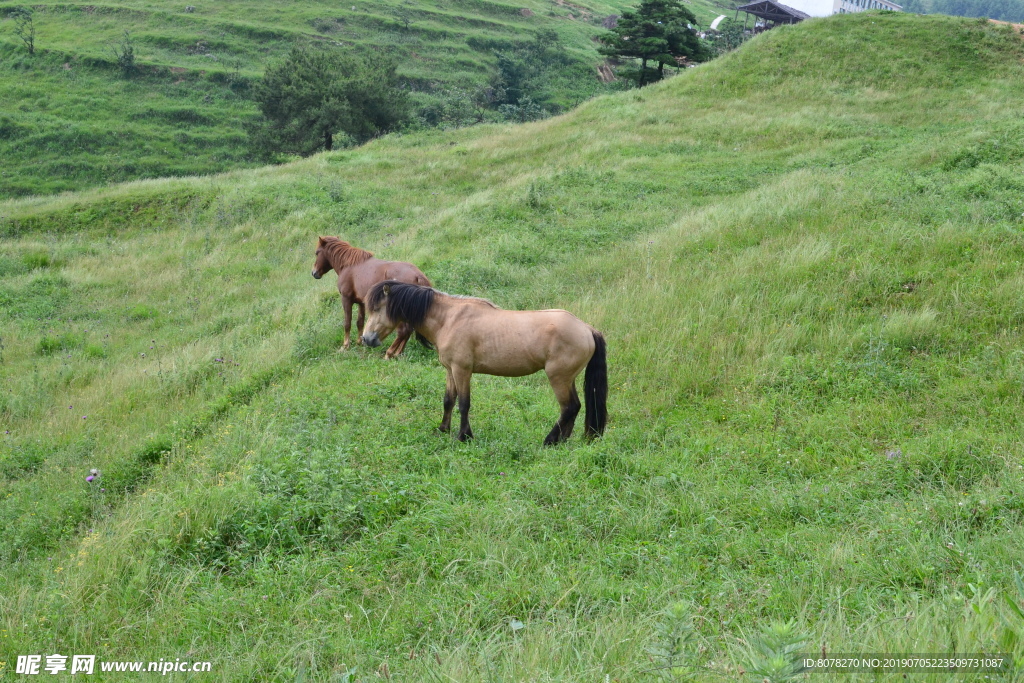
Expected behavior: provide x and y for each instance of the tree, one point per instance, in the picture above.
(124, 54)
(25, 28)
(317, 93)
(730, 36)
(518, 87)
(403, 15)
(659, 31)
(456, 107)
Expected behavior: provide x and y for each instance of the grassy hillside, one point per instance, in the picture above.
(809, 274)
(1005, 10)
(72, 122)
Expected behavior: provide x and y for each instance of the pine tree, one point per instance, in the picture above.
(660, 32)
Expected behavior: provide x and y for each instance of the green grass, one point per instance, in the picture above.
(72, 121)
(808, 272)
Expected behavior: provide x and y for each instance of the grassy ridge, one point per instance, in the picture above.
(808, 271)
(72, 121)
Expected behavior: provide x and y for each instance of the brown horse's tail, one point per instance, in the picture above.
(595, 389)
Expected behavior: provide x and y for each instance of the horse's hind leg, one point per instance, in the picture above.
(404, 332)
(462, 378)
(450, 394)
(569, 402)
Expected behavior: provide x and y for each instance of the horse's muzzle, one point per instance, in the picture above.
(316, 275)
(371, 340)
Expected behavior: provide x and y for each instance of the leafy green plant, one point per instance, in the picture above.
(124, 55)
(674, 650)
(51, 344)
(1011, 636)
(772, 654)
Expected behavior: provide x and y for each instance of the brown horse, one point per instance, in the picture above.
(357, 271)
(474, 335)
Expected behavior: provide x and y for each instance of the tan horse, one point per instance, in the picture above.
(474, 335)
(357, 271)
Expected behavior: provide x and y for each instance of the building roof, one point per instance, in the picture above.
(770, 10)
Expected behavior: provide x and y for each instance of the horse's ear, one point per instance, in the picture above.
(387, 289)
(322, 242)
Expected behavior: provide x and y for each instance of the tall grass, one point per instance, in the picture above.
(808, 273)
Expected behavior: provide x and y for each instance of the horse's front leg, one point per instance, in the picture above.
(346, 304)
(450, 395)
(462, 378)
(360, 321)
(403, 333)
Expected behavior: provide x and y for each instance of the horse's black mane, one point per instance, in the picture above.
(405, 302)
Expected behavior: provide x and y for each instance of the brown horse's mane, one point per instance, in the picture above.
(342, 254)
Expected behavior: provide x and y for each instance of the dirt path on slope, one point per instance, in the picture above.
(1019, 27)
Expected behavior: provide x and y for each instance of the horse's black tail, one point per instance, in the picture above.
(423, 340)
(595, 389)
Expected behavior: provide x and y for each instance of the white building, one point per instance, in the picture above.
(770, 13)
(846, 6)
(825, 8)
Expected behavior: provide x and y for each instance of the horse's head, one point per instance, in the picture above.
(392, 303)
(321, 264)
(378, 323)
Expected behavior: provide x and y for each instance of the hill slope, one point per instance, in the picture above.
(72, 121)
(1004, 10)
(808, 271)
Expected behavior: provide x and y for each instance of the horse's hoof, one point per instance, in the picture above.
(555, 437)
(443, 430)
